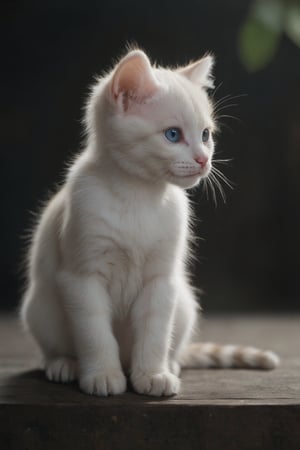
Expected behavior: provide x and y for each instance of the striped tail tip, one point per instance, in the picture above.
(270, 360)
(209, 355)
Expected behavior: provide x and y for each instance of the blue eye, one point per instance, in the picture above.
(173, 134)
(205, 135)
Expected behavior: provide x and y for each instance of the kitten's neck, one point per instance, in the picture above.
(124, 182)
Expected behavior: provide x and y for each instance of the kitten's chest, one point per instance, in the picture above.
(139, 234)
(140, 224)
(142, 227)
(134, 234)
(134, 240)
(129, 240)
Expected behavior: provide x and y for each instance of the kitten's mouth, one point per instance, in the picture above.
(191, 175)
(185, 176)
(191, 172)
(198, 174)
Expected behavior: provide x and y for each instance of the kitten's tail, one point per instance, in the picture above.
(209, 355)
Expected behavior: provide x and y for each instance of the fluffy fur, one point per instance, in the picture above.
(108, 293)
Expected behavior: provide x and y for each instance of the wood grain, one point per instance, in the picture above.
(226, 409)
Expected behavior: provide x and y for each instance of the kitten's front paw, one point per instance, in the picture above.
(157, 384)
(110, 382)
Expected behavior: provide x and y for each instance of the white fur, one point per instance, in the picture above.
(107, 282)
(108, 293)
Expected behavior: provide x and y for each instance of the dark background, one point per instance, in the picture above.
(51, 50)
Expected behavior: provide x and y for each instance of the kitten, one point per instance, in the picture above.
(108, 291)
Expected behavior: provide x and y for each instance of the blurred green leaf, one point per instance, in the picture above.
(292, 22)
(269, 12)
(257, 44)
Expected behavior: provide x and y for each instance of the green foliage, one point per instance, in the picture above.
(259, 37)
(292, 23)
(257, 44)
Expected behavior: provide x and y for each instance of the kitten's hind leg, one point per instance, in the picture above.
(44, 317)
(61, 369)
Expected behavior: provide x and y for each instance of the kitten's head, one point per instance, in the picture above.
(157, 123)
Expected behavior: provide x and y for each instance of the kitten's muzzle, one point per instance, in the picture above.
(202, 161)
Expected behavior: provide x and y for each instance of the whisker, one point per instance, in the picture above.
(229, 98)
(222, 100)
(224, 125)
(216, 89)
(224, 103)
(219, 186)
(213, 191)
(207, 189)
(219, 174)
(230, 105)
(222, 161)
(204, 182)
(227, 116)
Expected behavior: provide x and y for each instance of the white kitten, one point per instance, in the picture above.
(108, 291)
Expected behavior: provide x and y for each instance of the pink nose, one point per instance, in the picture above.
(202, 160)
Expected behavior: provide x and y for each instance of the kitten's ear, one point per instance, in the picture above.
(133, 81)
(200, 72)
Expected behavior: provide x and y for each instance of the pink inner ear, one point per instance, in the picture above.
(133, 80)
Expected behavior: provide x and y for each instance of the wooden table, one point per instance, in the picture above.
(216, 409)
